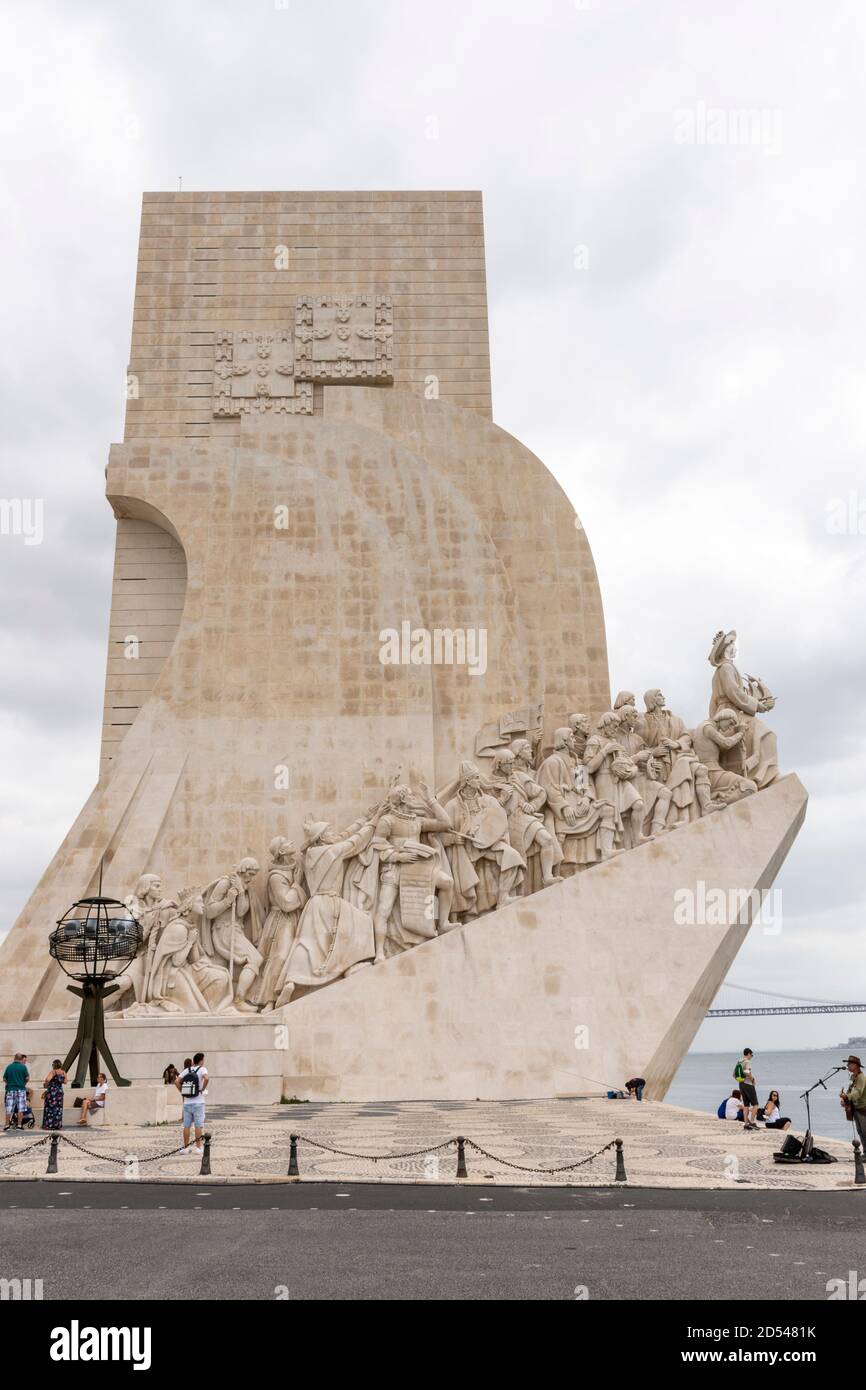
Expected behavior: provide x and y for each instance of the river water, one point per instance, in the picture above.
(705, 1077)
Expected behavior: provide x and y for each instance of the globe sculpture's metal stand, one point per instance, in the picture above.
(100, 937)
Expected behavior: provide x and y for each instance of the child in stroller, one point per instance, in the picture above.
(25, 1118)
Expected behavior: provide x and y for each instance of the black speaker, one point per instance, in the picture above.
(791, 1146)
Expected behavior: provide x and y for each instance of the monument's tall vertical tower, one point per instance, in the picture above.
(225, 263)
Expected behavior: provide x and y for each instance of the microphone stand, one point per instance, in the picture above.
(806, 1151)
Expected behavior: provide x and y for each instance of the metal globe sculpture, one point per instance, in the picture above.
(94, 942)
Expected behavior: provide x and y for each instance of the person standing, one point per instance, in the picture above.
(854, 1098)
(745, 1079)
(52, 1113)
(15, 1079)
(192, 1084)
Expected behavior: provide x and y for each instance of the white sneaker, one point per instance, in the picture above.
(187, 1149)
(198, 1151)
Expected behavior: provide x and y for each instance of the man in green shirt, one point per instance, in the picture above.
(15, 1078)
(856, 1098)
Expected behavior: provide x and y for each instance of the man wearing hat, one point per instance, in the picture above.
(749, 697)
(855, 1097)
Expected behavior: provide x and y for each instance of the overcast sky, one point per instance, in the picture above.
(676, 312)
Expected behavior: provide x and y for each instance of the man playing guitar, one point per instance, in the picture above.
(853, 1100)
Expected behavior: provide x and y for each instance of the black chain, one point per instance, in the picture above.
(374, 1158)
(521, 1168)
(15, 1152)
(448, 1143)
(112, 1158)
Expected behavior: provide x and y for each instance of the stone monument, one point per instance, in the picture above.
(374, 850)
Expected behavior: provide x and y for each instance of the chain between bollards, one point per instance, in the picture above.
(52, 1153)
(462, 1143)
(859, 1171)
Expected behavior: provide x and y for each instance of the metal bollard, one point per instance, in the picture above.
(859, 1172)
(294, 1171)
(620, 1163)
(461, 1156)
(52, 1154)
(204, 1170)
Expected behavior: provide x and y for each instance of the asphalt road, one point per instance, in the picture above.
(370, 1242)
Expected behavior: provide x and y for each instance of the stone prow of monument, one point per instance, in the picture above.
(309, 461)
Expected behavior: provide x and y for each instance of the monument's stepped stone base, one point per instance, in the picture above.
(496, 1010)
(243, 1059)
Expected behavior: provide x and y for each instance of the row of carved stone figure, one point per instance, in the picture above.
(417, 865)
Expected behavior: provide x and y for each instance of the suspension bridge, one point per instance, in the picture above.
(737, 1001)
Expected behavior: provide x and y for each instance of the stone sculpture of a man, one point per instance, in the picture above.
(405, 906)
(580, 726)
(614, 775)
(286, 898)
(487, 870)
(749, 697)
(655, 795)
(149, 907)
(523, 797)
(583, 826)
(334, 937)
(180, 979)
(232, 926)
(712, 740)
(682, 771)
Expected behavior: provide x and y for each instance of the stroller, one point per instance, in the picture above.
(25, 1117)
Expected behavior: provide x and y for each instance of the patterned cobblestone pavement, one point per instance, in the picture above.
(664, 1146)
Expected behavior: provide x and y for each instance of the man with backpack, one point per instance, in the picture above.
(192, 1084)
(745, 1079)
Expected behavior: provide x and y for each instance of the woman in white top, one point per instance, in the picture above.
(97, 1100)
(772, 1114)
